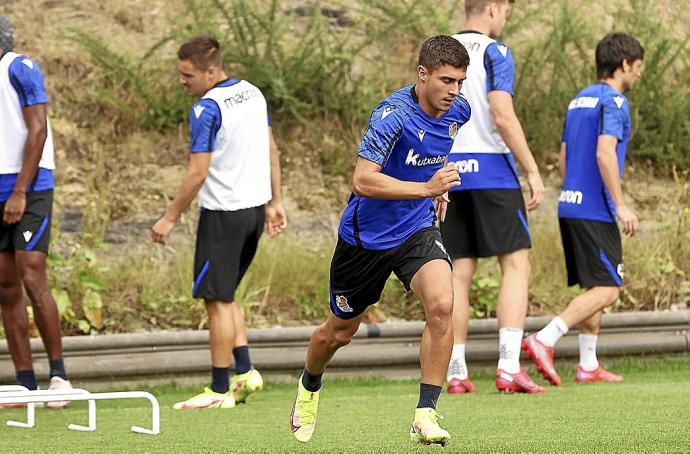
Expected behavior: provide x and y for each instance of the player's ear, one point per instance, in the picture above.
(422, 73)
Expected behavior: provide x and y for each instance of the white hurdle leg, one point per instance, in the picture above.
(92, 420)
(82, 395)
(30, 408)
(22, 395)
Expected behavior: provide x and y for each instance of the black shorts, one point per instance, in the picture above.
(226, 242)
(485, 223)
(359, 275)
(593, 252)
(32, 233)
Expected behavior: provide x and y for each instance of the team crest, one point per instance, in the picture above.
(453, 129)
(341, 302)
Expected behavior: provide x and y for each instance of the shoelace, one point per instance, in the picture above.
(435, 416)
(308, 413)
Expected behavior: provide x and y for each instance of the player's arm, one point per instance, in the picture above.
(510, 129)
(368, 181)
(36, 120)
(197, 171)
(276, 219)
(561, 160)
(607, 160)
(204, 122)
(500, 70)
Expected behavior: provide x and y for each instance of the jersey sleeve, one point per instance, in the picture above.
(27, 79)
(204, 124)
(500, 68)
(385, 127)
(464, 109)
(613, 117)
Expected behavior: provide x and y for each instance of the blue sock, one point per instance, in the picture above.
(219, 380)
(242, 362)
(27, 379)
(428, 395)
(311, 383)
(57, 368)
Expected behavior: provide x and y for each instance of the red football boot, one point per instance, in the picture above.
(517, 383)
(11, 406)
(596, 375)
(542, 356)
(457, 386)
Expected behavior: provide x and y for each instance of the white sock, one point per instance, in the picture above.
(457, 367)
(509, 341)
(588, 352)
(551, 333)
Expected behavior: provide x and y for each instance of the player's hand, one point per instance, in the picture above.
(276, 219)
(441, 203)
(536, 190)
(161, 230)
(14, 208)
(631, 225)
(443, 180)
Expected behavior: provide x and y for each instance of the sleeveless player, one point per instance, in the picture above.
(26, 201)
(235, 170)
(487, 216)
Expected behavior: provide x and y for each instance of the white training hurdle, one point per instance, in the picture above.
(21, 395)
(30, 408)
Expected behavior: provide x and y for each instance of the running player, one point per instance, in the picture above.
(388, 226)
(235, 170)
(26, 200)
(595, 139)
(486, 216)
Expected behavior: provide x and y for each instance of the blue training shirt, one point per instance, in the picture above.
(409, 145)
(27, 79)
(596, 110)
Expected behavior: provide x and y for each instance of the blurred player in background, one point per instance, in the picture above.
(594, 144)
(235, 170)
(26, 201)
(487, 216)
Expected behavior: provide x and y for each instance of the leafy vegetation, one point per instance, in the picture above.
(316, 63)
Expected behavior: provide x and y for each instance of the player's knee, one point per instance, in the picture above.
(336, 336)
(10, 292)
(34, 281)
(341, 338)
(439, 312)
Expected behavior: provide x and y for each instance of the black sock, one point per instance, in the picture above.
(27, 379)
(242, 361)
(428, 395)
(311, 383)
(219, 380)
(57, 368)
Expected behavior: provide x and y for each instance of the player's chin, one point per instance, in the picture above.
(446, 103)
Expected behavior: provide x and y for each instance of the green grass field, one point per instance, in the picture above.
(650, 412)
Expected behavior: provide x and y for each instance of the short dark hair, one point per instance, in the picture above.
(473, 7)
(443, 50)
(613, 49)
(202, 51)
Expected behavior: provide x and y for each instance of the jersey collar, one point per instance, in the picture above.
(468, 31)
(229, 82)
